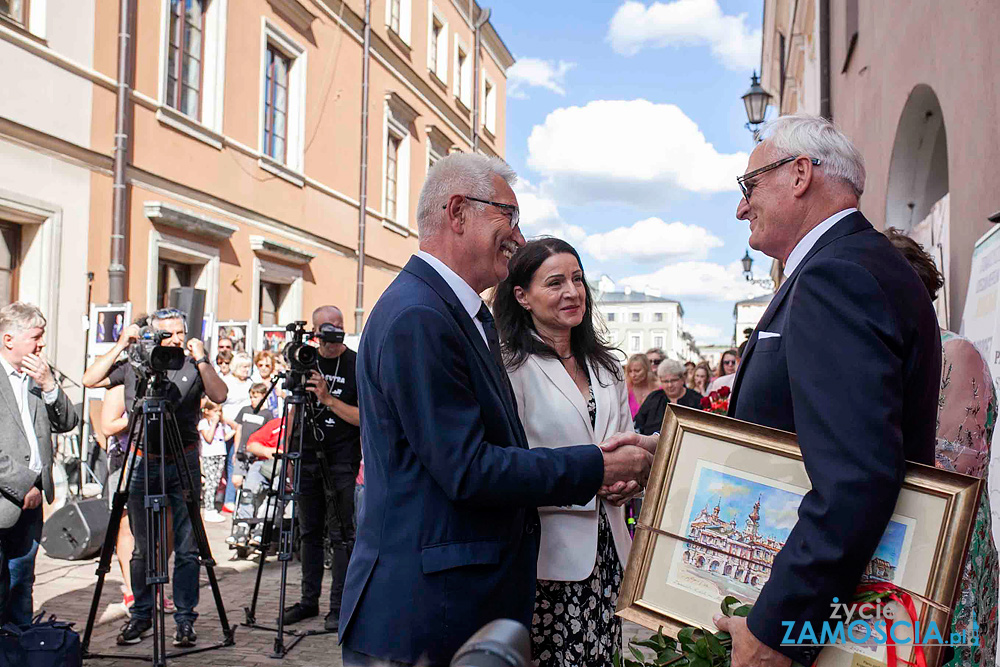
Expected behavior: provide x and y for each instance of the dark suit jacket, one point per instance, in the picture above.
(855, 373)
(448, 539)
(16, 478)
(649, 418)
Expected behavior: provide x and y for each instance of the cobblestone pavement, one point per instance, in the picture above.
(66, 589)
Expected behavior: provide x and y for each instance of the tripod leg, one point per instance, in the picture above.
(198, 527)
(114, 525)
(265, 546)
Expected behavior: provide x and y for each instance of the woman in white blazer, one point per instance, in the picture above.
(570, 391)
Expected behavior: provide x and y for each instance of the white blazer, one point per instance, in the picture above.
(554, 414)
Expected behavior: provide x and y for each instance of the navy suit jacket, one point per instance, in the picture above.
(855, 373)
(448, 539)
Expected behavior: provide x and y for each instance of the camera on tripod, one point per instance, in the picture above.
(149, 357)
(299, 354)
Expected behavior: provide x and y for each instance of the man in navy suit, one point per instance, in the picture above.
(448, 539)
(848, 356)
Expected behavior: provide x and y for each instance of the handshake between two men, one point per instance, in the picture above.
(628, 458)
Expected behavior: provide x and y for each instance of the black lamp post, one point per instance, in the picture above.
(755, 100)
(747, 265)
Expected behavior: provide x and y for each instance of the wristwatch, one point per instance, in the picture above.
(203, 360)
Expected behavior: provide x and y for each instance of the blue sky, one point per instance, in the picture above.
(625, 123)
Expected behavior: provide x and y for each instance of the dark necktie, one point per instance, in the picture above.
(489, 327)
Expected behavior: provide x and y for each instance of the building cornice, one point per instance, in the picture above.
(188, 221)
(280, 251)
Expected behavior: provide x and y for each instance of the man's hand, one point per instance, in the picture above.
(647, 442)
(128, 336)
(317, 386)
(627, 464)
(618, 494)
(37, 367)
(32, 499)
(196, 348)
(748, 651)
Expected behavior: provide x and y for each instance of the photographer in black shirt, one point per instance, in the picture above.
(185, 389)
(332, 427)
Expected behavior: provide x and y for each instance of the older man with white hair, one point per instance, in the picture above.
(36, 408)
(848, 356)
(449, 536)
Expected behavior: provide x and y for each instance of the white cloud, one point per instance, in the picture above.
(527, 72)
(703, 333)
(540, 215)
(699, 280)
(629, 151)
(686, 23)
(652, 240)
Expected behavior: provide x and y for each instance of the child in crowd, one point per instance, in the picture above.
(214, 433)
(247, 423)
(238, 385)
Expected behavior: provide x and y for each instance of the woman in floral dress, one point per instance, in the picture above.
(967, 412)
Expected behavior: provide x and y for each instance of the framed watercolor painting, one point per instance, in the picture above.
(722, 498)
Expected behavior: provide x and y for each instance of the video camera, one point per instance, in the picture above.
(149, 357)
(301, 356)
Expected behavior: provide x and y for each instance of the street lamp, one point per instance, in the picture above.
(755, 100)
(747, 262)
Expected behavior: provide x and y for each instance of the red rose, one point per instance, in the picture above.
(706, 403)
(723, 392)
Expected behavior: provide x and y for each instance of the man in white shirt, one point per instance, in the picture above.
(33, 407)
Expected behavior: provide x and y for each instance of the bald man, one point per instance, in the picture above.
(334, 431)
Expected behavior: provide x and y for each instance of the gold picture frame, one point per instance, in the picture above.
(700, 452)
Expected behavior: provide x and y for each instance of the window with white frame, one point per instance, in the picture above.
(657, 317)
(278, 293)
(193, 65)
(391, 174)
(15, 10)
(271, 298)
(185, 49)
(438, 144)
(437, 44)
(634, 343)
(489, 105)
(399, 118)
(636, 317)
(282, 107)
(463, 74)
(611, 317)
(397, 18)
(276, 68)
(658, 341)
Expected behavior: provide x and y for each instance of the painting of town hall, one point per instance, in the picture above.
(737, 522)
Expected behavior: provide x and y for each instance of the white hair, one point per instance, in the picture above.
(815, 136)
(670, 367)
(240, 360)
(20, 316)
(467, 174)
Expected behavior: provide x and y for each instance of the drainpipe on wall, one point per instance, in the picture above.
(484, 16)
(825, 108)
(359, 297)
(118, 267)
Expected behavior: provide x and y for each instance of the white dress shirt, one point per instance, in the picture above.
(467, 296)
(20, 383)
(803, 247)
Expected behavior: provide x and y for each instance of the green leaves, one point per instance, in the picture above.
(728, 603)
(693, 647)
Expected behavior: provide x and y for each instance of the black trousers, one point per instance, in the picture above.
(325, 512)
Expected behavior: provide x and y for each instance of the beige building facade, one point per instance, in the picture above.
(244, 171)
(914, 84)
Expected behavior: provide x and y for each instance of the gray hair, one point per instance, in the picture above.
(168, 314)
(468, 174)
(241, 359)
(670, 367)
(815, 136)
(20, 316)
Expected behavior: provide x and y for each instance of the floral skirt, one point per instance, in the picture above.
(574, 624)
(977, 602)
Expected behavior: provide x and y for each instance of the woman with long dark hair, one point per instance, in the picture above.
(570, 390)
